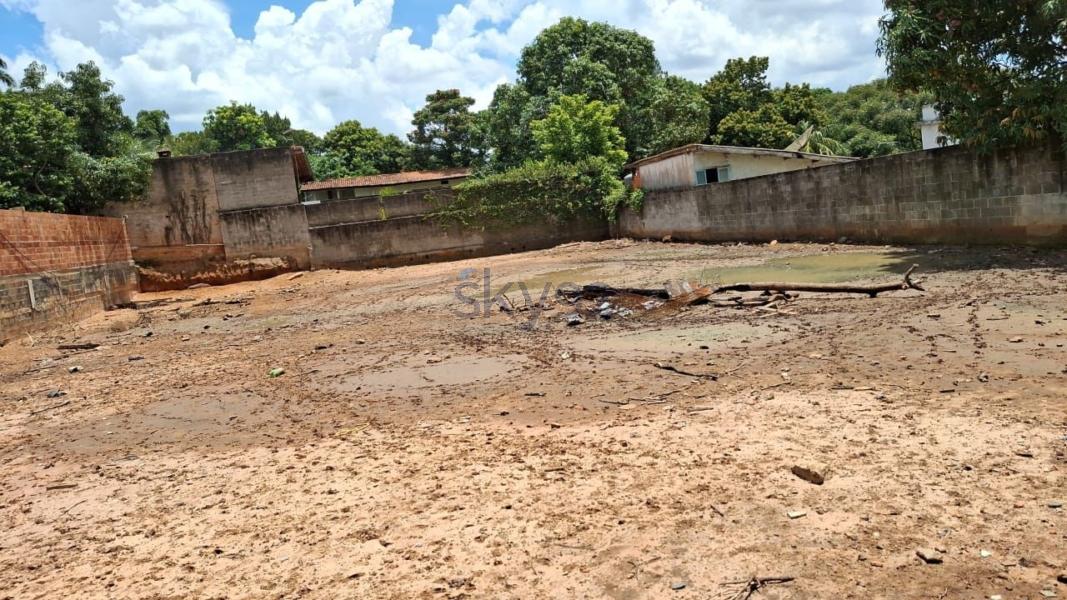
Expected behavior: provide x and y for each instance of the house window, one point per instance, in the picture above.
(713, 175)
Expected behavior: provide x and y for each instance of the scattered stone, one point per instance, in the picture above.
(1055, 504)
(1024, 453)
(812, 473)
(1016, 340)
(1048, 593)
(574, 319)
(996, 597)
(678, 586)
(198, 286)
(929, 556)
(1062, 578)
(74, 369)
(773, 243)
(985, 553)
(276, 372)
(56, 394)
(796, 514)
(295, 276)
(135, 358)
(983, 377)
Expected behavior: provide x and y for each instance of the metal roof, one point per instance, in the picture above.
(387, 179)
(691, 148)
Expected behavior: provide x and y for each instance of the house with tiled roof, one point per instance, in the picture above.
(388, 184)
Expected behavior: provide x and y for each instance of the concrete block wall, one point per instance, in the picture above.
(54, 268)
(277, 231)
(949, 195)
(353, 234)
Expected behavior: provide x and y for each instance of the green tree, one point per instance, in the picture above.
(85, 96)
(604, 63)
(760, 128)
(577, 128)
(679, 114)
(445, 132)
(508, 126)
(152, 126)
(350, 150)
(5, 77)
(740, 86)
(36, 144)
(33, 77)
(237, 127)
(997, 70)
(190, 143)
(873, 119)
(311, 143)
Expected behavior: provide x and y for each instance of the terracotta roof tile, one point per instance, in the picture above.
(386, 179)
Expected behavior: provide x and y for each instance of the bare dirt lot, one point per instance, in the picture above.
(412, 450)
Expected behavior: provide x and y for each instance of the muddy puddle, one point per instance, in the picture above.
(554, 279)
(824, 268)
(419, 373)
(191, 420)
(661, 342)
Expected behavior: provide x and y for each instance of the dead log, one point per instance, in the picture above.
(597, 290)
(871, 290)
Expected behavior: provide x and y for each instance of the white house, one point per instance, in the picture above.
(932, 135)
(702, 164)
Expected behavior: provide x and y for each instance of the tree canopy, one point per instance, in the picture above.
(576, 129)
(602, 62)
(237, 127)
(997, 71)
(67, 146)
(446, 132)
(351, 150)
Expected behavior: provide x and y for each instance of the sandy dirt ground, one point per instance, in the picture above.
(412, 449)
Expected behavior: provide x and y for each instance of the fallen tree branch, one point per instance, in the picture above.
(48, 408)
(596, 290)
(754, 584)
(871, 290)
(674, 369)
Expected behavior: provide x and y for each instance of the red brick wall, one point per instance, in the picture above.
(32, 242)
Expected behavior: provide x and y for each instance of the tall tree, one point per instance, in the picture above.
(352, 150)
(604, 63)
(740, 86)
(997, 70)
(190, 143)
(444, 133)
(577, 129)
(152, 126)
(679, 114)
(507, 122)
(36, 144)
(88, 99)
(872, 119)
(5, 77)
(237, 127)
(33, 77)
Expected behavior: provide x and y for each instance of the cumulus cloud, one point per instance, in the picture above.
(341, 59)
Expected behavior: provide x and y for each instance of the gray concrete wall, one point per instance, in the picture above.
(949, 195)
(417, 239)
(371, 208)
(278, 231)
(255, 178)
(178, 228)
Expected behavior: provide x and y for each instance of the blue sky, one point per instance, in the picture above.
(324, 61)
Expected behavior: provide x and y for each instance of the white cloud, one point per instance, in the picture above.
(342, 59)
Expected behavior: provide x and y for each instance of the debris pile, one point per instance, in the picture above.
(605, 302)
